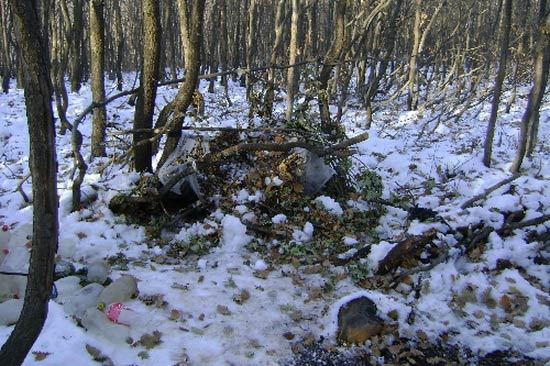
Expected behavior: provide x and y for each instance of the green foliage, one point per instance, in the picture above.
(359, 271)
(198, 245)
(369, 184)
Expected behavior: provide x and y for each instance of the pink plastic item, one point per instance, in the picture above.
(118, 313)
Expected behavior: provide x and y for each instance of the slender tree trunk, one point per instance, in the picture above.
(332, 56)
(5, 69)
(292, 50)
(529, 122)
(389, 46)
(250, 50)
(499, 79)
(145, 107)
(97, 49)
(60, 68)
(119, 45)
(270, 87)
(76, 59)
(412, 97)
(42, 162)
(191, 20)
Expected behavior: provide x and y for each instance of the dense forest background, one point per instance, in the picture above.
(329, 50)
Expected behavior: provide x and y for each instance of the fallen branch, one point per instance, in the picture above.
(489, 190)
(404, 249)
(482, 234)
(20, 187)
(522, 224)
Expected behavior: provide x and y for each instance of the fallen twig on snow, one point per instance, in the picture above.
(20, 187)
(489, 190)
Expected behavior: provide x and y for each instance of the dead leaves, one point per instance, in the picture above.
(40, 356)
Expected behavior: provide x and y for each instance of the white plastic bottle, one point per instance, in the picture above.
(10, 310)
(83, 299)
(96, 321)
(121, 314)
(97, 272)
(16, 259)
(121, 290)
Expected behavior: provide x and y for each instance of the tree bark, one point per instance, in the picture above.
(332, 56)
(42, 161)
(270, 85)
(145, 107)
(499, 79)
(293, 53)
(76, 59)
(5, 69)
(191, 19)
(250, 51)
(529, 121)
(97, 50)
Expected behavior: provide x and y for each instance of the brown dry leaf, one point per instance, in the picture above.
(393, 315)
(94, 352)
(40, 356)
(159, 259)
(297, 187)
(506, 304)
(262, 274)
(296, 315)
(152, 340)
(317, 268)
(241, 297)
(224, 310)
(279, 139)
(289, 335)
(421, 335)
(174, 315)
(314, 294)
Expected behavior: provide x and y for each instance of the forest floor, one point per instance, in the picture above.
(256, 274)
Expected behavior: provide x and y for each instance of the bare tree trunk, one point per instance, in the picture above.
(376, 76)
(504, 40)
(250, 50)
(191, 19)
(412, 98)
(97, 49)
(529, 122)
(119, 44)
(145, 107)
(292, 50)
(269, 92)
(5, 69)
(332, 56)
(42, 161)
(223, 46)
(76, 59)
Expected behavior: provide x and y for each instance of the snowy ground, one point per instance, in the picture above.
(232, 306)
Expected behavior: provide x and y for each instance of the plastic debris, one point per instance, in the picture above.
(98, 272)
(121, 290)
(83, 299)
(96, 321)
(10, 311)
